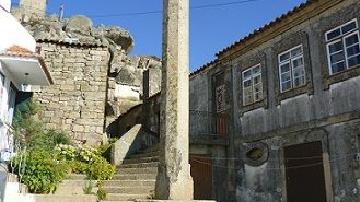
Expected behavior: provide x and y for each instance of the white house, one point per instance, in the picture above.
(20, 68)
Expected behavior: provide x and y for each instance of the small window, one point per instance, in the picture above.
(291, 68)
(252, 85)
(343, 47)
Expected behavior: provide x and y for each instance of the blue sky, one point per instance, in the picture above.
(211, 29)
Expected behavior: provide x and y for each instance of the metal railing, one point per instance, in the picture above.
(208, 123)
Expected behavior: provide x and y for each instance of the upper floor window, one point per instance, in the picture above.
(343, 47)
(252, 85)
(291, 68)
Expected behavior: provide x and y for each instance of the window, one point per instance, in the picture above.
(252, 85)
(11, 103)
(343, 47)
(2, 82)
(291, 68)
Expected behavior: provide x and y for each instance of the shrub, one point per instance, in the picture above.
(85, 160)
(78, 167)
(30, 132)
(41, 173)
(100, 169)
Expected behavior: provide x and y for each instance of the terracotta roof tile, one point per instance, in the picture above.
(20, 52)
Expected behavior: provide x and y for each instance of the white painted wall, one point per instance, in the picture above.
(5, 113)
(13, 33)
(127, 92)
(6, 4)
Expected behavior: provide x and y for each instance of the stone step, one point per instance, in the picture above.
(134, 177)
(139, 165)
(153, 148)
(129, 190)
(75, 186)
(148, 170)
(145, 154)
(125, 197)
(76, 177)
(63, 197)
(141, 160)
(129, 183)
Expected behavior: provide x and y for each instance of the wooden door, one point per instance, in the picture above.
(201, 172)
(305, 180)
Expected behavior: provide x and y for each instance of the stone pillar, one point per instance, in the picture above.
(174, 181)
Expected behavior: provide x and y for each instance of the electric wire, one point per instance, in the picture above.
(204, 6)
(334, 160)
(198, 7)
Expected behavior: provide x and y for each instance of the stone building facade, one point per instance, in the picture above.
(292, 98)
(275, 117)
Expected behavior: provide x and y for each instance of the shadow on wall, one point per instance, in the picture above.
(125, 122)
(137, 130)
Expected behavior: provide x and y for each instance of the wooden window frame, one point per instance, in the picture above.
(291, 68)
(342, 37)
(252, 77)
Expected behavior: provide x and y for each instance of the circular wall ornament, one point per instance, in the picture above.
(256, 154)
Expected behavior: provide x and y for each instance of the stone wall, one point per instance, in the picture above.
(76, 101)
(95, 79)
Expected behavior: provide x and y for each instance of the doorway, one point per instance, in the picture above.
(201, 172)
(305, 179)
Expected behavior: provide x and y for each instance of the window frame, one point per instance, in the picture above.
(291, 67)
(252, 77)
(342, 38)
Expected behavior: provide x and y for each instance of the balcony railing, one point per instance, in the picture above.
(208, 123)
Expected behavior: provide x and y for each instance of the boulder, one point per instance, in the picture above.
(79, 25)
(118, 35)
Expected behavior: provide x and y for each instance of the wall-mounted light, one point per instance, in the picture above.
(25, 87)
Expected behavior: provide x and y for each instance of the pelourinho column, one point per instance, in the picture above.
(174, 181)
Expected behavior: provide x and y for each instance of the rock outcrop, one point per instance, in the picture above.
(95, 79)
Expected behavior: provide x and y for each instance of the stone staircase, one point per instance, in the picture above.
(135, 178)
(70, 190)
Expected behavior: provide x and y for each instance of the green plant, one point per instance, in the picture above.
(151, 195)
(88, 187)
(85, 160)
(30, 132)
(101, 193)
(77, 167)
(100, 169)
(40, 173)
(104, 150)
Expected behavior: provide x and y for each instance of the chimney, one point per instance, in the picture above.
(32, 8)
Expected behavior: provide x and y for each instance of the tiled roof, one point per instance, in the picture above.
(202, 68)
(295, 10)
(88, 44)
(20, 52)
(17, 51)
